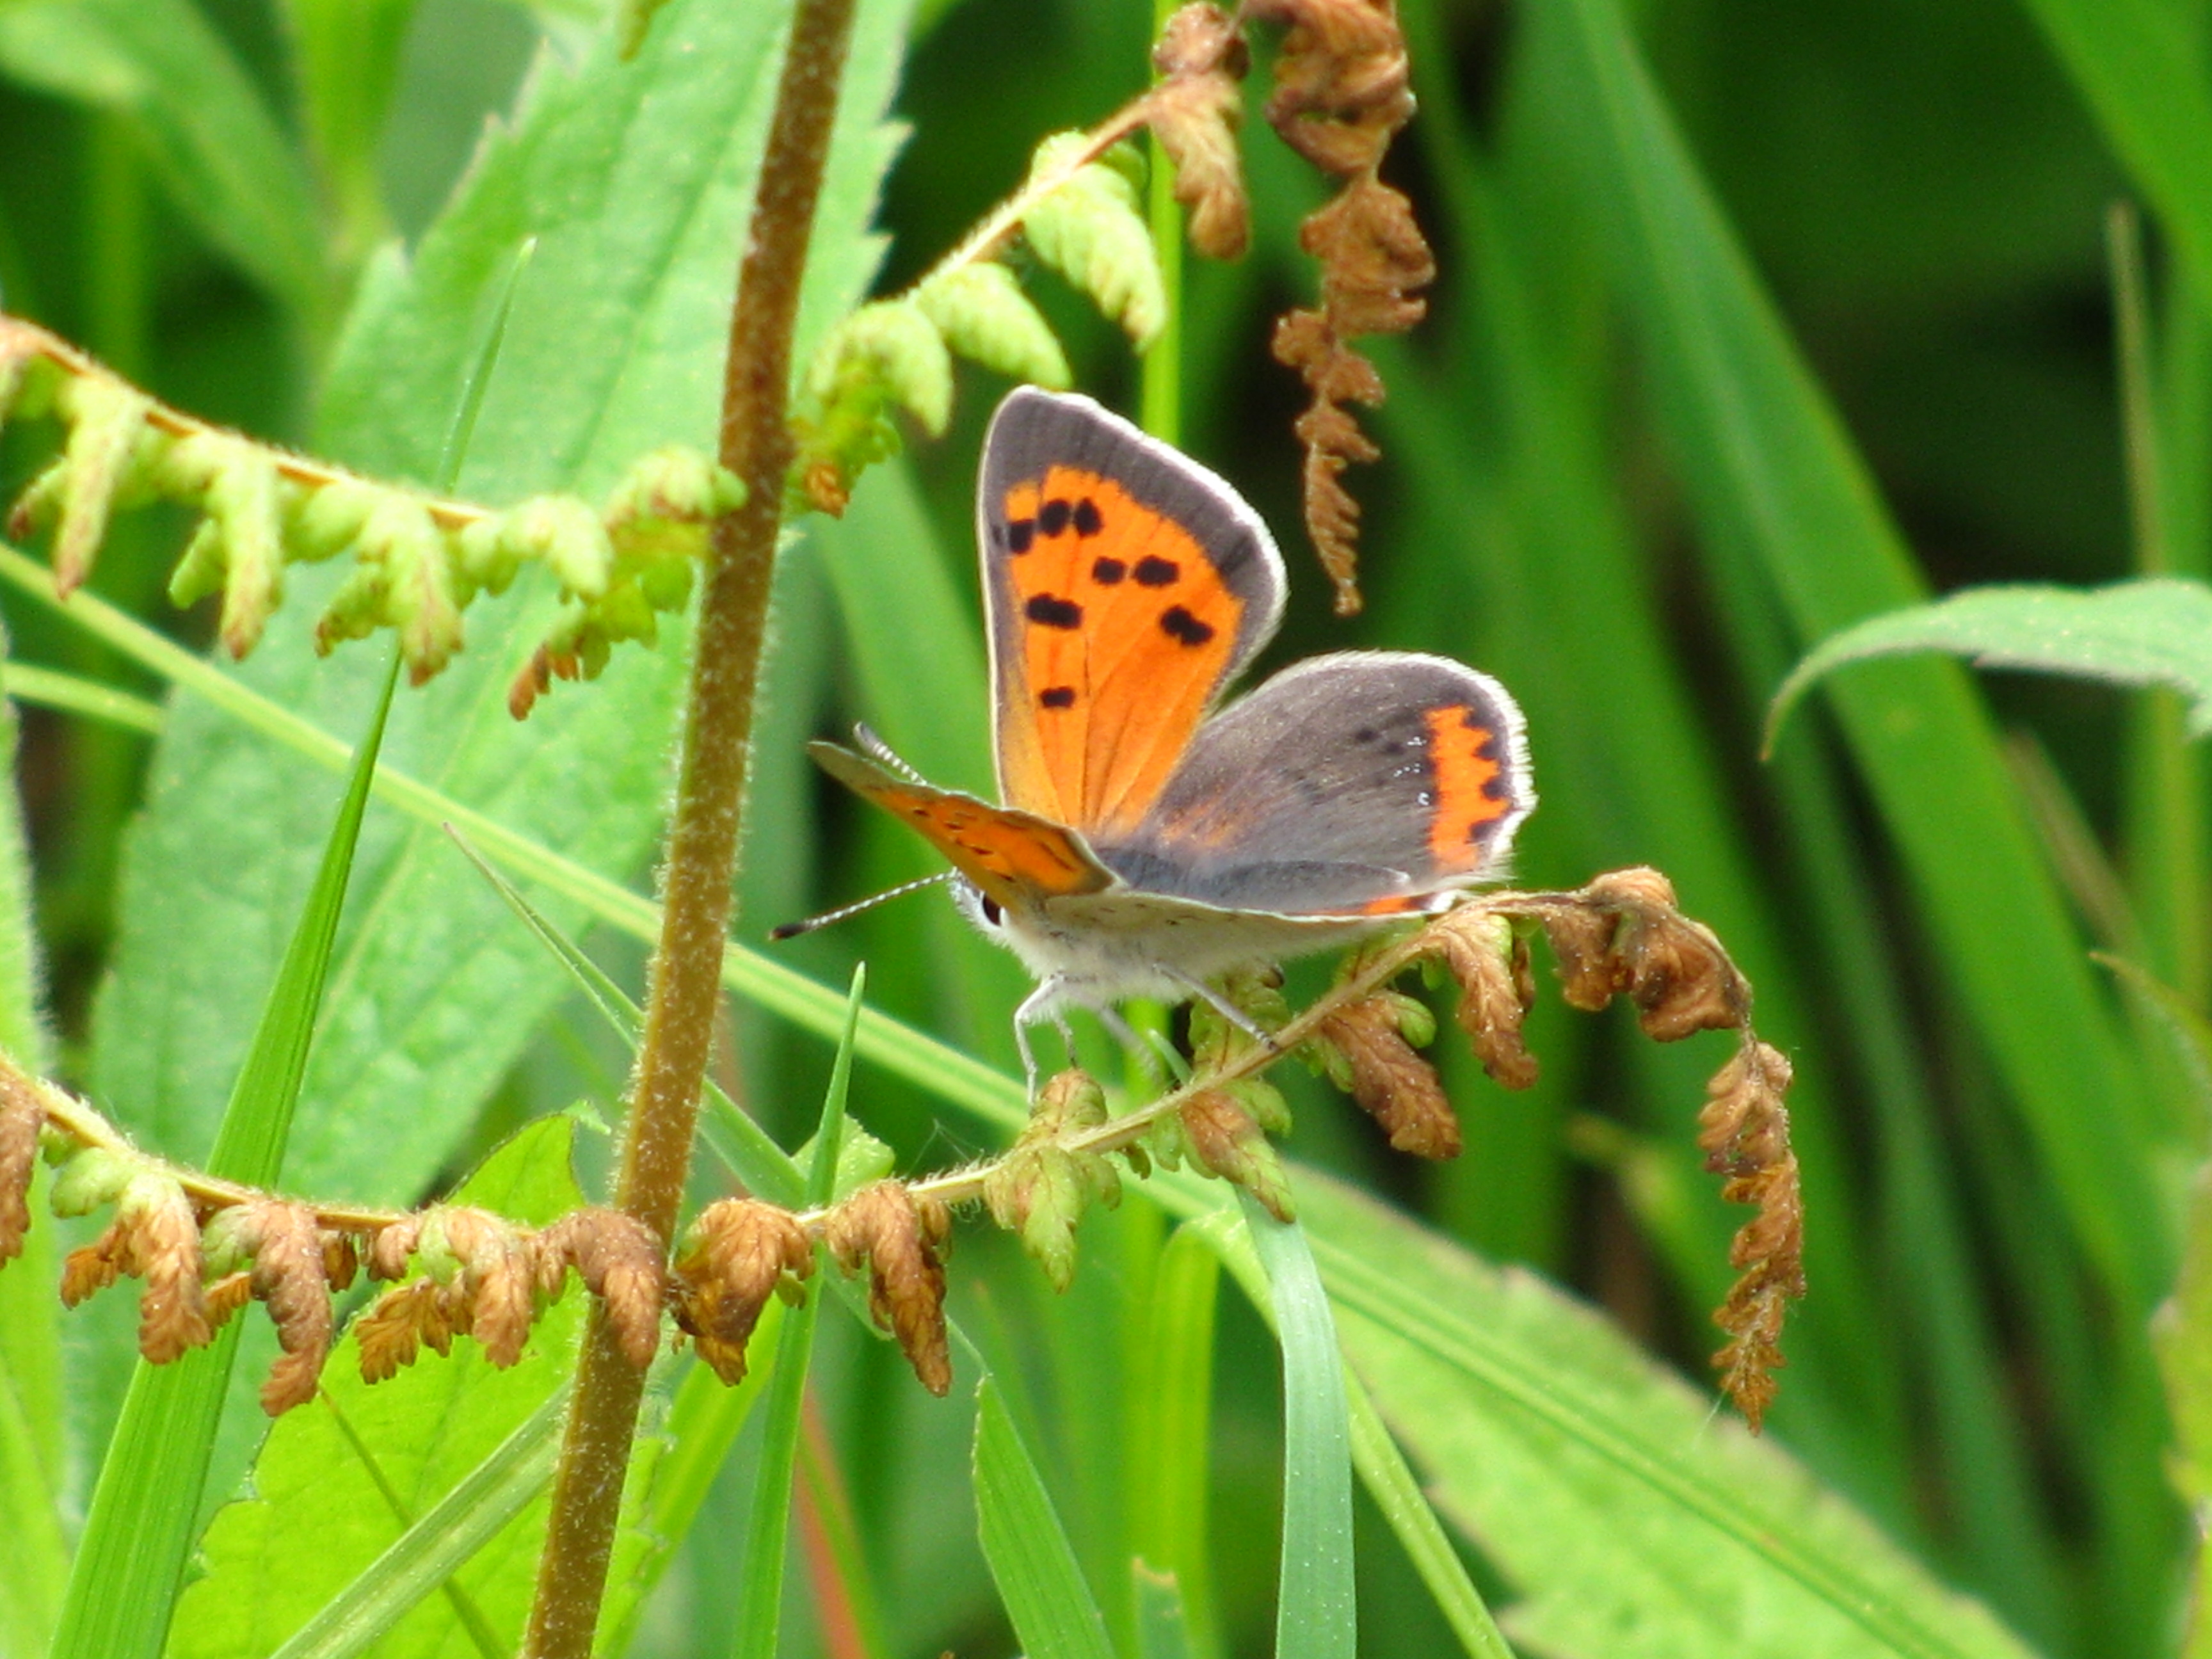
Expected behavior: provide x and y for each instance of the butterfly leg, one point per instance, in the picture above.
(1228, 1009)
(1147, 1049)
(1041, 1005)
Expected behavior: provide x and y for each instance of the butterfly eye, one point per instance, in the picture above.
(991, 911)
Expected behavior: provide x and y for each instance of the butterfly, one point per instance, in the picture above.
(1150, 840)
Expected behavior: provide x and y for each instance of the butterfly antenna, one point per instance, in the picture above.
(877, 749)
(793, 929)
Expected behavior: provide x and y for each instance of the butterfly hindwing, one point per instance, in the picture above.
(1125, 586)
(1361, 782)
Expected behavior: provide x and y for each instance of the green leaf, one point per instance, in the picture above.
(199, 120)
(637, 221)
(124, 1584)
(321, 1516)
(1775, 483)
(1031, 1561)
(760, 1602)
(1600, 1486)
(2156, 632)
(901, 1050)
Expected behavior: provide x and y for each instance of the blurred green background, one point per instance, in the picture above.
(1652, 441)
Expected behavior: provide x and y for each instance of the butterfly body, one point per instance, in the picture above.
(1147, 841)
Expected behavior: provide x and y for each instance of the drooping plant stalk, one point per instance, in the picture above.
(755, 444)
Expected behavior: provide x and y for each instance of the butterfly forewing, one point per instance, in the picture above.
(1126, 585)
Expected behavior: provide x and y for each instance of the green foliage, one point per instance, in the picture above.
(1751, 325)
(2145, 633)
(337, 1483)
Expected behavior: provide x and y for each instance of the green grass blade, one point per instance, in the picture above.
(202, 124)
(124, 1585)
(1162, 1631)
(1317, 1605)
(760, 1605)
(2139, 66)
(1772, 474)
(1170, 1463)
(2154, 632)
(33, 1441)
(74, 694)
(1031, 1561)
(1390, 1481)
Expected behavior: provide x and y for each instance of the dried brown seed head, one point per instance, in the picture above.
(619, 1261)
(1489, 961)
(493, 1261)
(899, 1237)
(1745, 1132)
(393, 1330)
(390, 1246)
(1392, 1084)
(1194, 112)
(21, 1119)
(1222, 1138)
(289, 1275)
(737, 1255)
(157, 1235)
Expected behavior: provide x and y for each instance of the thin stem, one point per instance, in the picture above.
(756, 445)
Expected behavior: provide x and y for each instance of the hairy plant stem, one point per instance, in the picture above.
(756, 445)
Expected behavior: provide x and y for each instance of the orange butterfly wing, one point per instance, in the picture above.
(1126, 585)
(1014, 858)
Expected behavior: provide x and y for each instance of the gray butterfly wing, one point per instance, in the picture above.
(1366, 781)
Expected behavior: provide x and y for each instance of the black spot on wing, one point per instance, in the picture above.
(1019, 533)
(1183, 628)
(1052, 516)
(1088, 521)
(1048, 611)
(1057, 696)
(1153, 571)
(1107, 572)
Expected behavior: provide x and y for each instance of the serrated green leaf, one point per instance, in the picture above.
(637, 223)
(1092, 231)
(1600, 1485)
(320, 1516)
(2155, 632)
(985, 317)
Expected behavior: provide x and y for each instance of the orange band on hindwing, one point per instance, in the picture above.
(1470, 786)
